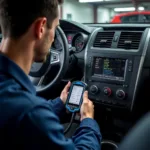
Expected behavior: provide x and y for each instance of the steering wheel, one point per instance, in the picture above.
(58, 57)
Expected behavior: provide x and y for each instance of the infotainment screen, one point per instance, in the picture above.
(112, 68)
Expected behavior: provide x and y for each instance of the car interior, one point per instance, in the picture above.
(114, 62)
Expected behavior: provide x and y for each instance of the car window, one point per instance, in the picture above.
(130, 19)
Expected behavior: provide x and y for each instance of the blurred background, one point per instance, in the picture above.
(106, 11)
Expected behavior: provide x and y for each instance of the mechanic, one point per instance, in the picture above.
(28, 122)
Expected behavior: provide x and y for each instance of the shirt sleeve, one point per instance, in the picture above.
(57, 106)
(88, 131)
(42, 130)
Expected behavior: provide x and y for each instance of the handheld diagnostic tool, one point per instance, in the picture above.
(75, 97)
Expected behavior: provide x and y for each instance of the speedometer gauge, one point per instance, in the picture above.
(79, 43)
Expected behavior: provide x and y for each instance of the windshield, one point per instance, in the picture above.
(106, 11)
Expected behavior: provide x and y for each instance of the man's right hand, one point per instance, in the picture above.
(87, 108)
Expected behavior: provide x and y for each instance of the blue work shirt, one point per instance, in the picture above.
(29, 122)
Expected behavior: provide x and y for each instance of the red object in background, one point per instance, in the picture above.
(132, 17)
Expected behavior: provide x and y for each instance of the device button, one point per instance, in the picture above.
(107, 91)
(94, 89)
(71, 107)
(120, 94)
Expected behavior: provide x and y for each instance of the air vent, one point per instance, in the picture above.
(104, 39)
(130, 40)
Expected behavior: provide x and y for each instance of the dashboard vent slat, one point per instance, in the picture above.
(103, 39)
(129, 40)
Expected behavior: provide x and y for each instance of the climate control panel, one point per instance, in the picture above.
(120, 93)
(112, 94)
(112, 80)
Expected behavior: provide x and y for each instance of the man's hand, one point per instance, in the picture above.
(87, 108)
(64, 93)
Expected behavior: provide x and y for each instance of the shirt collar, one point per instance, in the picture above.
(9, 67)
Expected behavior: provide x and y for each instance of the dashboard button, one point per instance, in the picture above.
(120, 94)
(107, 91)
(94, 89)
(130, 62)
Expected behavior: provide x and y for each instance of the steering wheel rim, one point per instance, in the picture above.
(62, 60)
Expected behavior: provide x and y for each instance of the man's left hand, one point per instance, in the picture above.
(65, 92)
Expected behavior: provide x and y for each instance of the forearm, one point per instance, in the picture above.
(89, 134)
(46, 132)
(57, 106)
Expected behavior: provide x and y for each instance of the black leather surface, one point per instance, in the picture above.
(139, 137)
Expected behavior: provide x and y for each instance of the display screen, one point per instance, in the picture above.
(76, 94)
(109, 67)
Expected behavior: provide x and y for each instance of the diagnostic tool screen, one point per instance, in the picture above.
(76, 95)
(109, 67)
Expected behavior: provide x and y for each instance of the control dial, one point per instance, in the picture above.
(107, 91)
(120, 94)
(94, 89)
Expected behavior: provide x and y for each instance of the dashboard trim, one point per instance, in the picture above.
(140, 66)
(86, 49)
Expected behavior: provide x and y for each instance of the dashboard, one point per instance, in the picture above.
(115, 61)
(76, 41)
(77, 35)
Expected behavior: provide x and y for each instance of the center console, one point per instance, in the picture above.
(113, 65)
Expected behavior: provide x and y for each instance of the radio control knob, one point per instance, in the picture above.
(120, 94)
(94, 89)
(107, 91)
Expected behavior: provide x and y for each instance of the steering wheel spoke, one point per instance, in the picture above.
(55, 57)
(55, 60)
(37, 81)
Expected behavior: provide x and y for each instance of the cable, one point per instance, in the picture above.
(71, 121)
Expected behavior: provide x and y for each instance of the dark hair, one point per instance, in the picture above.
(16, 16)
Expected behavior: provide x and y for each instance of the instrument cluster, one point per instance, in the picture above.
(77, 41)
